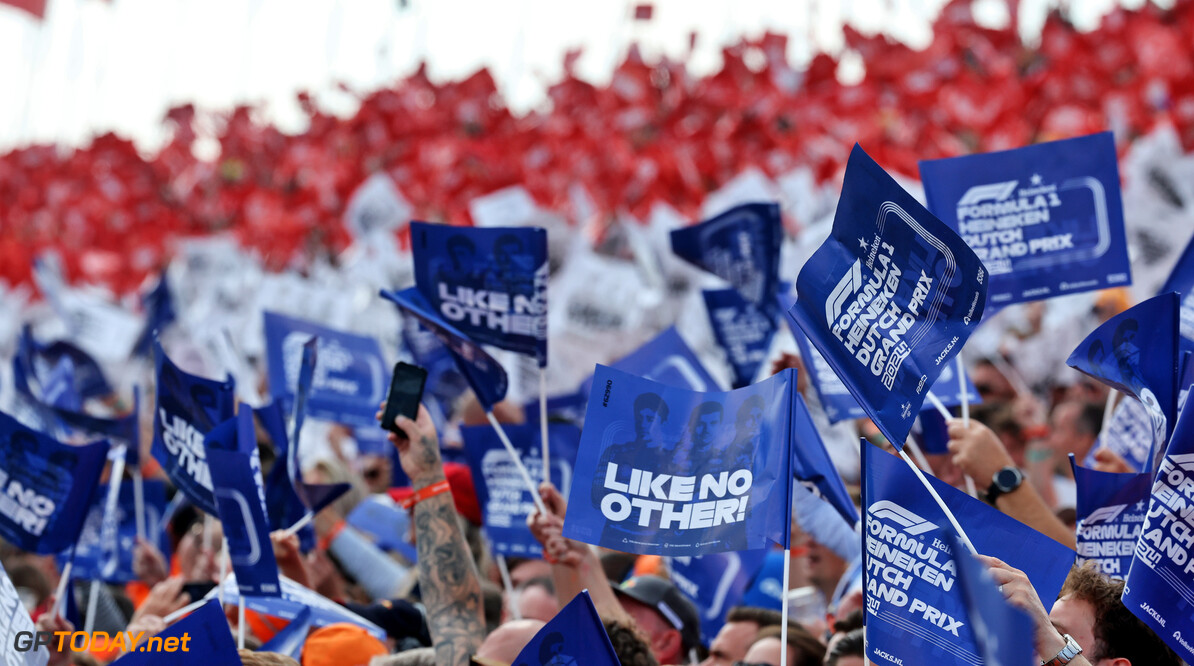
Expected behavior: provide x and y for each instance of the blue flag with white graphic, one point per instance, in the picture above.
(43, 485)
(1159, 588)
(740, 246)
(575, 636)
(1129, 435)
(742, 329)
(505, 500)
(1181, 281)
(489, 283)
(159, 313)
(290, 640)
(999, 628)
(836, 400)
(716, 583)
(668, 471)
(812, 465)
(916, 611)
(314, 496)
(485, 375)
(90, 551)
(188, 407)
(889, 298)
(766, 588)
(14, 622)
(349, 382)
(949, 391)
(283, 507)
(207, 639)
(1111, 509)
(122, 429)
(59, 388)
(1114, 354)
(240, 498)
(1047, 220)
(37, 360)
(292, 600)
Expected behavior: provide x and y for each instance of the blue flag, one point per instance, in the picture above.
(159, 313)
(766, 588)
(59, 388)
(240, 498)
(490, 283)
(1000, 629)
(949, 391)
(292, 601)
(666, 359)
(188, 407)
(1113, 354)
(504, 498)
(574, 636)
(14, 621)
(1129, 435)
(836, 400)
(812, 465)
(1159, 588)
(1046, 219)
(315, 496)
(43, 485)
(916, 611)
(1111, 509)
(742, 329)
(37, 360)
(1181, 280)
(740, 246)
(122, 429)
(668, 471)
(283, 507)
(931, 432)
(290, 640)
(569, 407)
(91, 554)
(889, 298)
(206, 636)
(485, 375)
(444, 382)
(349, 382)
(716, 583)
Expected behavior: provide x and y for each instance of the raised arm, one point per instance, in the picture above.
(575, 566)
(448, 580)
(980, 454)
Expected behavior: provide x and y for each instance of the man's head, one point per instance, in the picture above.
(1089, 609)
(664, 614)
(462, 251)
(536, 599)
(505, 249)
(505, 642)
(825, 567)
(1075, 427)
(803, 648)
(706, 421)
(649, 411)
(733, 640)
(845, 649)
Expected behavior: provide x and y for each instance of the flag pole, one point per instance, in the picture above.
(300, 524)
(504, 570)
(919, 455)
(970, 489)
(139, 502)
(223, 570)
(965, 395)
(92, 602)
(62, 583)
(240, 622)
(526, 477)
(783, 624)
(184, 610)
(1108, 411)
(543, 423)
(941, 503)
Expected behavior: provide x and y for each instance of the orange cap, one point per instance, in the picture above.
(341, 644)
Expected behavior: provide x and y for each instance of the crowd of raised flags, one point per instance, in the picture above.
(655, 457)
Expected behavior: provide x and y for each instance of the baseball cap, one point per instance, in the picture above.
(665, 597)
(341, 644)
(464, 495)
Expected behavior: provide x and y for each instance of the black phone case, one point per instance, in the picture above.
(401, 402)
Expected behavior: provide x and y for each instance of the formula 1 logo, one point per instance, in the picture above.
(849, 285)
(908, 521)
(992, 192)
(1104, 515)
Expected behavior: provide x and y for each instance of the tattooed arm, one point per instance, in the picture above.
(448, 578)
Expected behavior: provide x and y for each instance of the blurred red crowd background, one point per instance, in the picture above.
(655, 133)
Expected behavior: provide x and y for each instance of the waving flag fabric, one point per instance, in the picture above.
(575, 635)
(1111, 510)
(740, 246)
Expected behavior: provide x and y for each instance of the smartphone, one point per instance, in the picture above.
(406, 392)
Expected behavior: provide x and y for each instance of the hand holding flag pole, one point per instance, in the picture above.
(970, 489)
